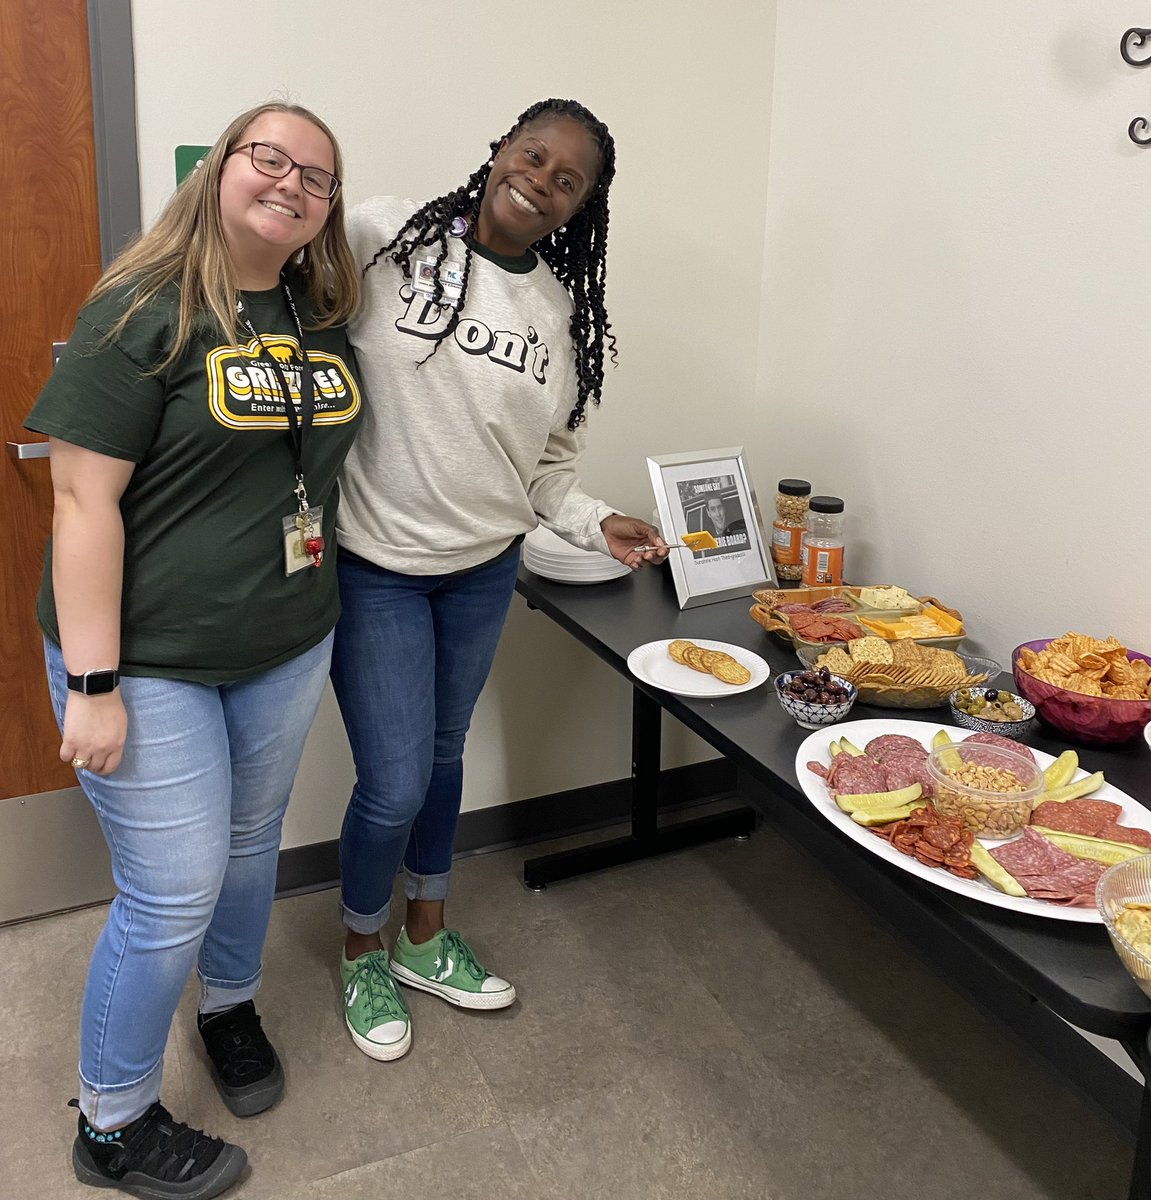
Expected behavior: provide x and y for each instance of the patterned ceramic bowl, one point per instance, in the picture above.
(1008, 729)
(807, 714)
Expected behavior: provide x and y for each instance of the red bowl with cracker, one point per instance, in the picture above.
(1088, 720)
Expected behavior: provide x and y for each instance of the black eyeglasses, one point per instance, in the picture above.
(277, 165)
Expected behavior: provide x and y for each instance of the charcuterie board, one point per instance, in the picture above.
(816, 748)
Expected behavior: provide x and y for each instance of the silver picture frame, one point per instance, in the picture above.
(711, 491)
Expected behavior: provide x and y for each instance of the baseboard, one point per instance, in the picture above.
(560, 814)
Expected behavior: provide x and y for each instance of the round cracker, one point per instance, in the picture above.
(676, 648)
(731, 672)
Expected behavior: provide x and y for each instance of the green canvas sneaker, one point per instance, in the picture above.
(374, 1010)
(446, 967)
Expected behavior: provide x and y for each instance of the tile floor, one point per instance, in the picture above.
(720, 1024)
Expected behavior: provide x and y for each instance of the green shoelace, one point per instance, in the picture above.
(456, 947)
(376, 983)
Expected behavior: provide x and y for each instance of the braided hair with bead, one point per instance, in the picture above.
(576, 252)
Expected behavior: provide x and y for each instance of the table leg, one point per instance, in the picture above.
(1141, 1172)
(647, 838)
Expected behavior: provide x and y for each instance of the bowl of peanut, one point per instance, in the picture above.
(989, 788)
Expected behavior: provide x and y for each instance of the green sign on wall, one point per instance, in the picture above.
(187, 158)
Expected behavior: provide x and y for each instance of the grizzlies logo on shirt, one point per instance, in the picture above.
(244, 389)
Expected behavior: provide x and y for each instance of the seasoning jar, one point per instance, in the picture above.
(823, 542)
(788, 527)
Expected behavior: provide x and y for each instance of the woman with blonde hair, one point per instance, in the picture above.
(198, 420)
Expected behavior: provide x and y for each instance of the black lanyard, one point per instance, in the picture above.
(298, 424)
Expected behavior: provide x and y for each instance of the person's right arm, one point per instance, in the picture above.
(87, 580)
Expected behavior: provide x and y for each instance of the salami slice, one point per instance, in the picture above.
(902, 772)
(817, 768)
(894, 745)
(995, 739)
(1072, 884)
(1047, 873)
(831, 605)
(1031, 854)
(1084, 817)
(1114, 832)
(855, 775)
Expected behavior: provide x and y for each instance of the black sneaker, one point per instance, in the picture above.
(244, 1066)
(155, 1157)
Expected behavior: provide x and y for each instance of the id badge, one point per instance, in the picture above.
(303, 540)
(451, 274)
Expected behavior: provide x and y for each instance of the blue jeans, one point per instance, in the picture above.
(192, 818)
(412, 654)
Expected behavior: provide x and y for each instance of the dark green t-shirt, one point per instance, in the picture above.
(206, 597)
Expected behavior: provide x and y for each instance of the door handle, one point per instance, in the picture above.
(28, 449)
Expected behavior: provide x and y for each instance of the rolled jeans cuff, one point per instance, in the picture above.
(426, 887)
(216, 995)
(111, 1107)
(358, 923)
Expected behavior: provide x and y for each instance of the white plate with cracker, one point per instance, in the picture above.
(652, 664)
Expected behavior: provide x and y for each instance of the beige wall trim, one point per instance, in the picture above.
(561, 814)
(53, 857)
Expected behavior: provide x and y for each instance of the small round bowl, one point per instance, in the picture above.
(1008, 729)
(807, 714)
(1127, 883)
(1088, 720)
(982, 809)
(977, 665)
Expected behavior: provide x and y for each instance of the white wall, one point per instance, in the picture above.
(415, 96)
(955, 290)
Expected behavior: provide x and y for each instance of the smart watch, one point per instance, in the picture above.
(94, 683)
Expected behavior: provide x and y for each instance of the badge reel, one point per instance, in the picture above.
(303, 535)
(451, 276)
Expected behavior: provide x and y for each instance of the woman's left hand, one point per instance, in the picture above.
(624, 534)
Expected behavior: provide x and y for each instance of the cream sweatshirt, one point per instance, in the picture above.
(456, 459)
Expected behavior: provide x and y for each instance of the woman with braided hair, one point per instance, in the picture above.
(482, 338)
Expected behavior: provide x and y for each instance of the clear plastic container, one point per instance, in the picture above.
(823, 542)
(971, 779)
(789, 526)
(1125, 885)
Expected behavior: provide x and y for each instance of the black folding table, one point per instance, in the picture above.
(1031, 973)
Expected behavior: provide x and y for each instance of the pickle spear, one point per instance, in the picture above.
(872, 816)
(1073, 791)
(1082, 846)
(1061, 770)
(994, 873)
(880, 801)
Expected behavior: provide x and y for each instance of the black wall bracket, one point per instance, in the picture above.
(1130, 44)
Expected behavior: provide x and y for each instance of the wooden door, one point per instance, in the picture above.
(49, 258)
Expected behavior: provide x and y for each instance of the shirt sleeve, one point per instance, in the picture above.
(100, 397)
(559, 501)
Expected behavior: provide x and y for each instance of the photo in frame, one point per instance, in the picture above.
(710, 491)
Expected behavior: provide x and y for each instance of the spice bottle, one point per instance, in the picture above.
(788, 527)
(823, 542)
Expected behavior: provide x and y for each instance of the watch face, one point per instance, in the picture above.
(99, 683)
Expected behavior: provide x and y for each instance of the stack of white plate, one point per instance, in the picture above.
(549, 555)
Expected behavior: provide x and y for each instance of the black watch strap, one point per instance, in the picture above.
(94, 683)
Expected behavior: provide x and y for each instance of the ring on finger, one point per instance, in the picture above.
(80, 762)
